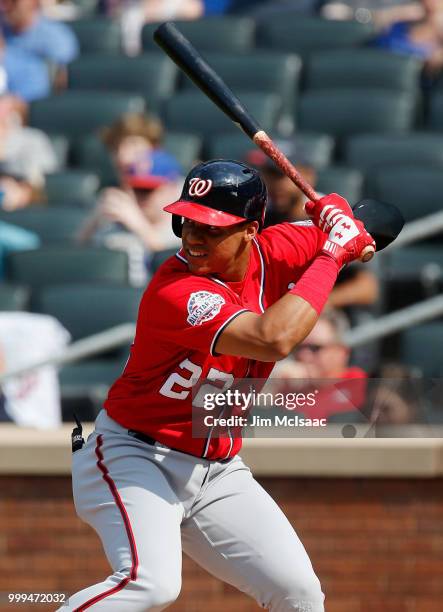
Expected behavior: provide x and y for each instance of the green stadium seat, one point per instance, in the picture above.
(411, 274)
(413, 263)
(261, 71)
(77, 379)
(304, 35)
(87, 7)
(368, 151)
(67, 304)
(191, 111)
(225, 34)
(97, 35)
(435, 118)
(91, 154)
(363, 68)
(422, 346)
(152, 76)
(71, 187)
(413, 188)
(60, 145)
(160, 257)
(84, 385)
(14, 297)
(53, 225)
(316, 147)
(67, 264)
(186, 148)
(343, 112)
(348, 182)
(76, 113)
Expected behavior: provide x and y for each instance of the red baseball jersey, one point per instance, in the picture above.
(180, 318)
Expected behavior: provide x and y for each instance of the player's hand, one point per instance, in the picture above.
(346, 240)
(324, 211)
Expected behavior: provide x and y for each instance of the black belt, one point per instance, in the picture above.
(138, 435)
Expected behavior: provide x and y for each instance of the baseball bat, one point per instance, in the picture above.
(183, 53)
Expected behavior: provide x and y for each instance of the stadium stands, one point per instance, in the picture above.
(97, 35)
(343, 112)
(66, 264)
(368, 151)
(71, 187)
(14, 297)
(360, 114)
(53, 225)
(415, 348)
(152, 76)
(363, 68)
(305, 35)
(225, 34)
(76, 113)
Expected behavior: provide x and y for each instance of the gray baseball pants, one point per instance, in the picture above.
(148, 503)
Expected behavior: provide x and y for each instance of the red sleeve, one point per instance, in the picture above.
(295, 244)
(190, 312)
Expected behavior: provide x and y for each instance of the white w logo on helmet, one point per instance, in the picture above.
(199, 187)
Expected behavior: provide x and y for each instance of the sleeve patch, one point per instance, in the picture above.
(203, 306)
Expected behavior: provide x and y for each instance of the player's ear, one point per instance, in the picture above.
(251, 230)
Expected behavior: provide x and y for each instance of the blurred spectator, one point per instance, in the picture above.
(22, 75)
(322, 354)
(32, 399)
(23, 149)
(133, 14)
(381, 12)
(64, 10)
(18, 191)
(217, 7)
(130, 138)
(132, 217)
(411, 27)
(286, 200)
(422, 37)
(396, 398)
(14, 238)
(357, 287)
(24, 26)
(321, 358)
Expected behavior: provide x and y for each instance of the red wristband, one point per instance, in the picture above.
(317, 281)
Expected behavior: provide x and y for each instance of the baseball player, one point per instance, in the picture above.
(231, 302)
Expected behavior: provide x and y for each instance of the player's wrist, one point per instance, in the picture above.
(317, 281)
(335, 252)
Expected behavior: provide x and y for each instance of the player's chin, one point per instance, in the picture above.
(199, 267)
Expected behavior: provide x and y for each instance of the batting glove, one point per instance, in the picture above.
(346, 241)
(324, 212)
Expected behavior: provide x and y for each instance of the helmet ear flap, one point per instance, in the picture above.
(177, 224)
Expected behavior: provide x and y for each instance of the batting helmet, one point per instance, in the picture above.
(220, 192)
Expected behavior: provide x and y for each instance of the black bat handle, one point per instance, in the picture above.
(182, 53)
